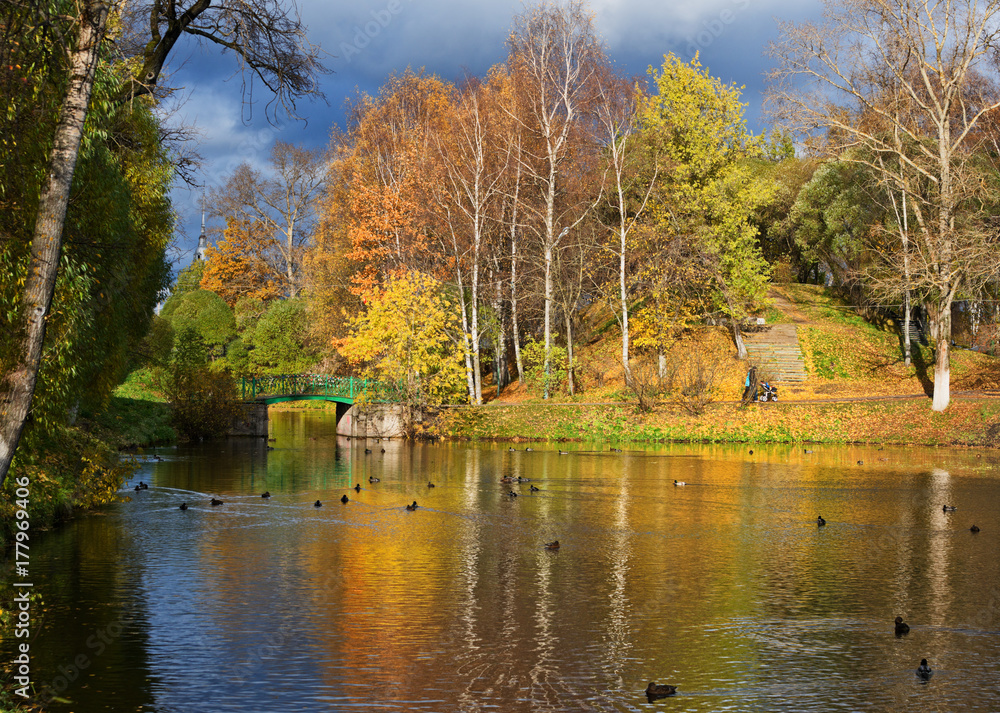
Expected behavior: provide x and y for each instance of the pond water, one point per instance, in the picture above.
(725, 587)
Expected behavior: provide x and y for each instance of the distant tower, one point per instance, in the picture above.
(202, 240)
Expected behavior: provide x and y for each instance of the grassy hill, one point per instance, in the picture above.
(857, 389)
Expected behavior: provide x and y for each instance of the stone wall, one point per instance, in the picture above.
(377, 421)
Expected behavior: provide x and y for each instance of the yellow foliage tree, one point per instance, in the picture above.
(703, 243)
(409, 333)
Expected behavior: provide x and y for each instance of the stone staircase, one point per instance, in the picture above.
(776, 353)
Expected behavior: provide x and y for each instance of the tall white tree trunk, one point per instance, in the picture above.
(477, 376)
(907, 307)
(942, 360)
(46, 243)
(515, 328)
(570, 383)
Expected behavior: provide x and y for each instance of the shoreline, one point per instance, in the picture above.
(970, 421)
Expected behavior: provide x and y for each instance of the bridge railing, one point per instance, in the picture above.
(254, 387)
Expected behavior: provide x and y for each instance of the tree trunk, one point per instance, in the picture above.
(942, 358)
(569, 355)
(477, 375)
(907, 320)
(624, 299)
(500, 339)
(741, 350)
(548, 319)
(907, 351)
(466, 347)
(46, 244)
(515, 334)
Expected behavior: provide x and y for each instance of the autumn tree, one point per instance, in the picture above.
(268, 38)
(706, 192)
(555, 57)
(469, 198)
(388, 167)
(899, 87)
(239, 265)
(409, 333)
(276, 210)
(630, 181)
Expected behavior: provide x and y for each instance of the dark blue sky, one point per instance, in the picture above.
(368, 40)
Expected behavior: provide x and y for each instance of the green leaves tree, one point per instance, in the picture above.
(207, 314)
(279, 342)
(268, 38)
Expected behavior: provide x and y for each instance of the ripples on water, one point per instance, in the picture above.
(725, 587)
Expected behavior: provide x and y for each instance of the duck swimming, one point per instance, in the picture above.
(266, 494)
(143, 485)
(948, 508)
(679, 482)
(357, 488)
(430, 484)
(923, 670)
(413, 507)
(216, 501)
(184, 506)
(901, 627)
(344, 499)
(554, 545)
(660, 690)
(317, 504)
(820, 521)
(535, 490)
(974, 529)
(373, 479)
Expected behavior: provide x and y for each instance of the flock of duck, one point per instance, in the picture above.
(653, 690)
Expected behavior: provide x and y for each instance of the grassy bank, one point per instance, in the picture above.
(966, 422)
(136, 416)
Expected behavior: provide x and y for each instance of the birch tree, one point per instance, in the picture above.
(555, 54)
(270, 41)
(630, 183)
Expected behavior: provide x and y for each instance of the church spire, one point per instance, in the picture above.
(203, 238)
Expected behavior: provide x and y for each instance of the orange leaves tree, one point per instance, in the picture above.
(388, 164)
(237, 265)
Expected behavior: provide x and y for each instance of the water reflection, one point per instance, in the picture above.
(724, 587)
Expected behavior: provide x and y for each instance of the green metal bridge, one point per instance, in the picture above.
(276, 388)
